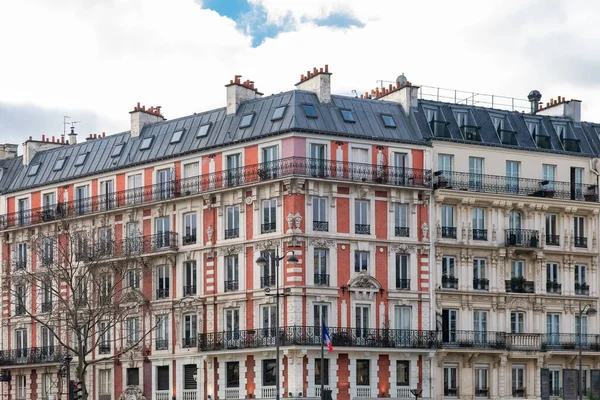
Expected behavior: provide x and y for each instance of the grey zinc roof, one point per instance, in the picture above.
(224, 130)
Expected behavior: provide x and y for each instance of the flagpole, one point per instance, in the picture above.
(322, 374)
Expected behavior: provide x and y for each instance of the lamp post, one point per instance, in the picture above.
(591, 311)
(261, 261)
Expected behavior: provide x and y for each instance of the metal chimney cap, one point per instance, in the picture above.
(534, 95)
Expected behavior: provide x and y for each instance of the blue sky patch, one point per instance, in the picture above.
(339, 20)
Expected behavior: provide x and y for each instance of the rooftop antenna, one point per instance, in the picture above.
(65, 123)
(355, 94)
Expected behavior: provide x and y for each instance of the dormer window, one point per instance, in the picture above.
(146, 143)
(117, 150)
(498, 123)
(33, 169)
(246, 120)
(469, 132)
(310, 111)
(348, 116)
(176, 138)
(278, 113)
(388, 121)
(59, 164)
(541, 140)
(80, 160)
(203, 130)
(438, 128)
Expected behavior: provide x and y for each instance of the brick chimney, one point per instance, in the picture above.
(141, 117)
(238, 92)
(8, 150)
(561, 107)
(32, 147)
(402, 92)
(317, 81)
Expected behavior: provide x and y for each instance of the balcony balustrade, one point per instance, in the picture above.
(267, 281)
(580, 242)
(480, 234)
(552, 240)
(321, 226)
(321, 279)
(160, 192)
(449, 282)
(128, 247)
(519, 285)
(362, 229)
(481, 284)
(402, 231)
(553, 287)
(582, 289)
(232, 233)
(33, 355)
(269, 227)
(449, 232)
(522, 238)
(231, 286)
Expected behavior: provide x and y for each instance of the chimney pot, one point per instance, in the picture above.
(43, 138)
(103, 134)
(30, 137)
(53, 139)
(326, 68)
(47, 140)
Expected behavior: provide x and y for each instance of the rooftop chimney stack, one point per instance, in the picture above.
(72, 136)
(32, 147)
(8, 150)
(141, 117)
(403, 92)
(561, 107)
(317, 81)
(534, 98)
(238, 92)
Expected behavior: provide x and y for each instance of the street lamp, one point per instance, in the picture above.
(67, 364)
(262, 261)
(591, 311)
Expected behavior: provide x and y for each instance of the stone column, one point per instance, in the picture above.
(502, 381)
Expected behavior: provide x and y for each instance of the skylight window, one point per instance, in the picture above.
(80, 159)
(176, 138)
(246, 120)
(203, 130)
(388, 121)
(146, 143)
(59, 164)
(33, 169)
(309, 110)
(278, 113)
(348, 116)
(117, 150)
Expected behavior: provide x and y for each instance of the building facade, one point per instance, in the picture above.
(433, 239)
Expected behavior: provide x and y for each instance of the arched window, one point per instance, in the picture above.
(515, 220)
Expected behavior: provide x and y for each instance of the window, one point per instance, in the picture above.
(450, 381)
(309, 111)
(320, 265)
(33, 169)
(478, 217)
(449, 324)
(269, 320)
(348, 116)
(233, 374)
(134, 192)
(269, 217)
(449, 280)
(190, 375)
(191, 170)
(162, 283)
(475, 173)
(402, 272)
(512, 176)
(21, 262)
(162, 332)
(231, 273)
(103, 338)
(549, 172)
(401, 220)
(362, 372)
(553, 328)
(514, 221)
(517, 269)
(232, 222)
(448, 228)
(278, 113)
(269, 377)
(445, 162)
(516, 322)
(552, 272)
(146, 143)
(269, 168)
(402, 317)
(176, 138)
(105, 242)
(267, 273)
(117, 150)
(232, 322)
(579, 231)
(320, 315)
(133, 329)
(498, 123)
(583, 324)
(246, 120)
(21, 342)
(388, 121)
(162, 378)
(104, 382)
(480, 282)
(361, 261)
(80, 291)
(59, 164)
(532, 127)
(19, 299)
(481, 381)
(133, 376)
(325, 373)
(21, 392)
(189, 278)
(203, 130)
(189, 224)
(133, 278)
(362, 321)
(320, 220)
(518, 381)
(23, 215)
(480, 319)
(47, 297)
(461, 119)
(361, 217)
(105, 295)
(162, 232)
(580, 279)
(80, 160)
(402, 373)
(189, 330)
(552, 237)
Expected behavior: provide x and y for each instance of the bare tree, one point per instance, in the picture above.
(83, 291)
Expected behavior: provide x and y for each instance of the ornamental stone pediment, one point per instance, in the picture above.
(132, 393)
(363, 281)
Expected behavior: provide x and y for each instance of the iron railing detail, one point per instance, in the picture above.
(362, 229)
(176, 188)
(403, 284)
(33, 355)
(449, 282)
(582, 289)
(231, 286)
(553, 287)
(322, 279)
(518, 285)
(480, 234)
(269, 227)
(481, 284)
(553, 240)
(449, 232)
(232, 233)
(321, 226)
(162, 293)
(267, 281)
(189, 290)
(162, 344)
(402, 231)
(189, 239)
(522, 238)
(188, 342)
(580, 241)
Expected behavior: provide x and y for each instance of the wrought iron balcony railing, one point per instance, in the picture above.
(46, 306)
(519, 285)
(269, 227)
(402, 231)
(553, 240)
(403, 284)
(162, 344)
(480, 234)
(189, 290)
(498, 184)
(362, 229)
(104, 348)
(553, 287)
(267, 281)
(232, 233)
(231, 286)
(521, 392)
(128, 247)
(321, 226)
(481, 284)
(322, 279)
(449, 232)
(580, 241)
(33, 355)
(582, 289)
(188, 342)
(189, 239)
(451, 392)
(522, 238)
(449, 282)
(286, 167)
(482, 391)
(162, 293)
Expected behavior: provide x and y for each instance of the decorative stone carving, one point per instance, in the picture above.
(402, 248)
(293, 221)
(364, 281)
(290, 220)
(425, 231)
(518, 303)
(594, 242)
(132, 393)
(267, 244)
(229, 250)
(209, 234)
(297, 221)
(322, 243)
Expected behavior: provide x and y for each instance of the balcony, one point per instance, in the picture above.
(520, 392)
(189, 239)
(480, 234)
(362, 229)
(189, 290)
(543, 142)
(130, 247)
(481, 284)
(191, 186)
(162, 344)
(162, 293)
(451, 392)
(267, 281)
(33, 355)
(162, 395)
(522, 238)
(582, 289)
(571, 145)
(508, 137)
(322, 279)
(498, 184)
(472, 339)
(553, 287)
(403, 284)
(519, 285)
(311, 336)
(471, 132)
(449, 232)
(482, 391)
(20, 265)
(552, 240)
(188, 342)
(580, 242)
(268, 227)
(46, 306)
(231, 286)
(321, 226)
(232, 233)
(402, 231)
(440, 128)
(103, 349)
(449, 282)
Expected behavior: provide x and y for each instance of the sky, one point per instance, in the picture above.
(93, 60)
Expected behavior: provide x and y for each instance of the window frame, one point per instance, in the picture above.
(246, 120)
(81, 159)
(177, 136)
(310, 111)
(146, 143)
(388, 121)
(278, 115)
(203, 130)
(347, 115)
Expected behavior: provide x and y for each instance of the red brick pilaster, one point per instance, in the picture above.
(343, 384)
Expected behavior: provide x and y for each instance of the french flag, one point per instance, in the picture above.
(327, 337)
